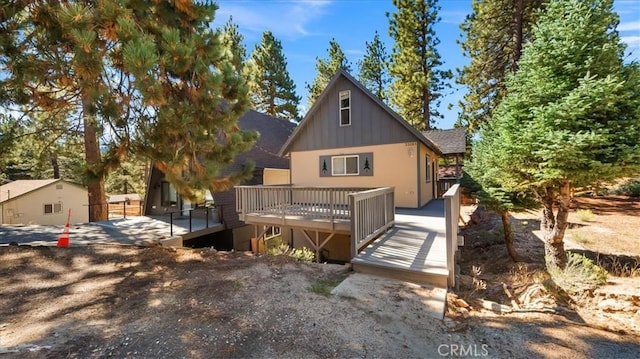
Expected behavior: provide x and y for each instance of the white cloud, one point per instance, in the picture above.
(632, 41)
(289, 19)
(629, 26)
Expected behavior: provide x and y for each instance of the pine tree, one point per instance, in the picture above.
(233, 41)
(418, 80)
(493, 35)
(373, 68)
(271, 89)
(159, 86)
(571, 114)
(326, 68)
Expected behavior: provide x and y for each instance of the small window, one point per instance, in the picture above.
(427, 172)
(168, 195)
(345, 166)
(52, 208)
(345, 108)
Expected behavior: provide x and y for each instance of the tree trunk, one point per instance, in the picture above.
(553, 240)
(518, 15)
(548, 220)
(53, 157)
(426, 114)
(95, 182)
(508, 236)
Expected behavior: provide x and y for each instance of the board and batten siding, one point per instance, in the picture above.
(370, 124)
(394, 165)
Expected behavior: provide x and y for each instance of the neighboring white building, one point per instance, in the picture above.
(45, 202)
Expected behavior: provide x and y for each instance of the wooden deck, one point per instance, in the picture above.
(414, 250)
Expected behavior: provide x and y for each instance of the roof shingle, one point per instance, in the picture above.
(449, 141)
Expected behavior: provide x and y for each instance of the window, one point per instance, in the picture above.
(427, 172)
(52, 208)
(345, 108)
(344, 166)
(168, 195)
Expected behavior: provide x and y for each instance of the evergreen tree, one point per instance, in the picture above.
(271, 88)
(493, 35)
(418, 80)
(326, 68)
(373, 68)
(159, 86)
(571, 114)
(233, 41)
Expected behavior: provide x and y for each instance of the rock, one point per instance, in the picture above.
(460, 303)
(614, 305)
(496, 307)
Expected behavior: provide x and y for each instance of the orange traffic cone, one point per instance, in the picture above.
(63, 240)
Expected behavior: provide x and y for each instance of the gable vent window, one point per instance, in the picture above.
(345, 165)
(345, 108)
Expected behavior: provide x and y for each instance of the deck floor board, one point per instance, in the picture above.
(416, 244)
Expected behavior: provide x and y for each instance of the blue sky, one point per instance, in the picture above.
(305, 28)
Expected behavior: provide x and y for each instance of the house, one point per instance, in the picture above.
(348, 141)
(270, 168)
(350, 138)
(453, 145)
(129, 204)
(44, 202)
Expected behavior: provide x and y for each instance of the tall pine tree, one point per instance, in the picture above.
(419, 81)
(493, 35)
(233, 41)
(161, 86)
(374, 68)
(271, 89)
(571, 114)
(326, 68)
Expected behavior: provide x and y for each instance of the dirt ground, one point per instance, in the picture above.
(130, 302)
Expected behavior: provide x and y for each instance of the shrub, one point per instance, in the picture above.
(581, 273)
(585, 215)
(631, 188)
(277, 246)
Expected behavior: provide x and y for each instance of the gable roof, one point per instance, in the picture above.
(449, 141)
(18, 188)
(342, 73)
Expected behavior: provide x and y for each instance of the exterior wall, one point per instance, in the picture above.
(394, 165)
(29, 207)
(370, 123)
(426, 188)
(153, 205)
(276, 176)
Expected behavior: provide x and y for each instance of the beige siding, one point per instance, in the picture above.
(276, 176)
(395, 165)
(29, 208)
(426, 188)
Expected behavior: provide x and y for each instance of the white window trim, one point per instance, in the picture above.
(333, 173)
(428, 171)
(340, 108)
(53, 208)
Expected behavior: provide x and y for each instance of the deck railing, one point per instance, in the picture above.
(325, 203)
(372, 213)
(451, 215)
